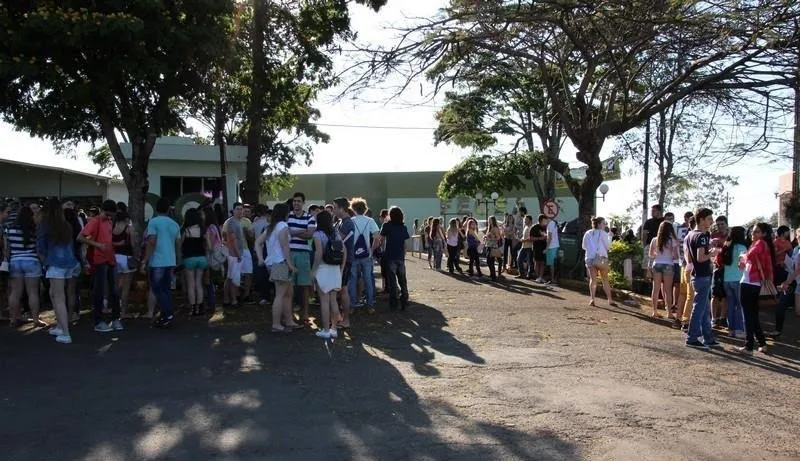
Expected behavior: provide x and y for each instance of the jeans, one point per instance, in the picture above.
(438, 247)
(700, 321)
(491, 262)
(396, 274)
(785, 301)
(453, 261)
(364, 268)
(160, 285)
(752, 324)
(735, 313)
(509, 249)
(262, 281)
(104, 274)
(525, 262)
(474, 260)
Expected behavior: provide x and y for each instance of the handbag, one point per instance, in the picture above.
(768, 286)
(600, 262)
(496, 253)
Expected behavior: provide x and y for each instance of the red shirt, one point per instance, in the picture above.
(760, 262)
(782, 248)
(99, 229)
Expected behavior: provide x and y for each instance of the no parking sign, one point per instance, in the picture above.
(550, 208)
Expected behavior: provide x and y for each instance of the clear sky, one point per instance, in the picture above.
(409, 146)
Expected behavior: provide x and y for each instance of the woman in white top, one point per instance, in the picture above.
(279, 263)
(663, 252)
(596, 243)
(454, 238)
(327, 275)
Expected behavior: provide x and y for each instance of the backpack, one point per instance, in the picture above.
(361, 246)
(333, 253)
(219, 256)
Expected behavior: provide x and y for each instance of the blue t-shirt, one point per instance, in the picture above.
(395, 236)
(166, 231)
(345, 228)
(732, 273)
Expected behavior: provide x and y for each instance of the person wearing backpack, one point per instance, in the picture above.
(330, 258)
(365, 229)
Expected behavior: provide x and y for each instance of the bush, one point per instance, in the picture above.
(618, 280)
(620, 251)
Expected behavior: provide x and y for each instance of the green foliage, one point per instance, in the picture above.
(273, 184)
(621, 250)
(618, 281)
(485, 173)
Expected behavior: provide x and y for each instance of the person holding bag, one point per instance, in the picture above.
(758, 264)
(596, 243)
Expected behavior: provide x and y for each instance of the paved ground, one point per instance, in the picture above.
(472, 371)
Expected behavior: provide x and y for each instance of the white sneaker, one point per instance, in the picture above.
(103, 327)
(75, 317)
(324, 334)
(333, 333)
(117, 325)
(540, 280)
(56, 331)
(263, 302)
(64, 339)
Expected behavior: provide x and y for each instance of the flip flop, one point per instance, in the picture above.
(280, 330)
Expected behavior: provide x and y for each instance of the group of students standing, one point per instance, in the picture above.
(518, 246)
(701, 265)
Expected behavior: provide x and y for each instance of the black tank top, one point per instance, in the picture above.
(125, 250)
(192, 246)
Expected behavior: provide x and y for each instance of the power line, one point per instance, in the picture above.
(388, 127)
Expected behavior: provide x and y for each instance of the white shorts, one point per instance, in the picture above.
(122, 264)
(247, 262)
(234, 272)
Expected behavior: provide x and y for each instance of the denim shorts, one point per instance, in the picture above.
(25, 268)
(663, 268)
(61, 272)
(195, 263)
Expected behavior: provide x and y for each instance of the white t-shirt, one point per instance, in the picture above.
(366, 226)
(552, 229)
(274, 250)
(596, 243)
(664, 256)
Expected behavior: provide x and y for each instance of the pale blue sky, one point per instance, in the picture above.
(372, 149)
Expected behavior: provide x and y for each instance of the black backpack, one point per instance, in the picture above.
(333, 253)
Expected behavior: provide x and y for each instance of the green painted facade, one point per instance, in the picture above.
(415, 193)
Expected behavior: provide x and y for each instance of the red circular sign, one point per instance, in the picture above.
(550, 208)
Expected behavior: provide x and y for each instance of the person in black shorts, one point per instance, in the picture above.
(539, 239)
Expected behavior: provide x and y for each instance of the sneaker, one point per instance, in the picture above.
(263, 302)
(696, 344)
(117, 325)
(324, 334)
(740, 335)
(334, 334)
(64, 339)
(55, 331)
(75, 317)
(164, 322)
(744, 350)
(713, 343)
(763, 349)
(103, 327)
(539, 280)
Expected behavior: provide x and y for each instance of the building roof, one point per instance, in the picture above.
(59, 169)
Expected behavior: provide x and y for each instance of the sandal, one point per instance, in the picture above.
(280, 330)
(591, 303)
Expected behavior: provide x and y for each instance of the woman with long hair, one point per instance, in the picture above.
(473, 242)
(327, 276)
(453, 239)
(428, 243)
(55, 246)
(596, 243)
(733, 249)
(123, 254)
(492, 242)
(437, 239)
(195, 243)
(24, 266)
(393, 236)
(73, 290)
(279, 263)
(663, 252)
(509, 242)
(214, 239)
(758, 264)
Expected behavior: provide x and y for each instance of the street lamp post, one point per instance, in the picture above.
(493, 197)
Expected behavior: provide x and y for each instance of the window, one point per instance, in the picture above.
(192, 185)
(171, 188)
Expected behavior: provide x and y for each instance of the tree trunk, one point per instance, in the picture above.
(219, 138)
(138, 186)
(251, 190)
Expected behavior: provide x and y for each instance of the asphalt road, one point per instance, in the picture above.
(472, 371)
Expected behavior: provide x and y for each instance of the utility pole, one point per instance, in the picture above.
(646, 175)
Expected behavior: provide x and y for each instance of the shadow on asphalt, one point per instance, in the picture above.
(231, 390)
(506, 283)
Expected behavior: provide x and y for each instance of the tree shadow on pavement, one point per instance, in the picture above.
(234, 392)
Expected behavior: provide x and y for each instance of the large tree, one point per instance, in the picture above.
(606, 67)
(79, 70)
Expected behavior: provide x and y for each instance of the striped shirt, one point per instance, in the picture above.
(16, 244)
(302, 223)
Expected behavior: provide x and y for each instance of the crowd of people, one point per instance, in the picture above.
(519, 246)
(284, 256)
(709, 275)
